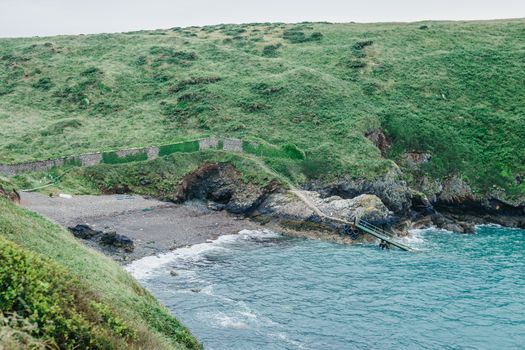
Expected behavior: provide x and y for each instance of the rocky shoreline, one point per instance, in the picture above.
(449, 204)
(213, 200)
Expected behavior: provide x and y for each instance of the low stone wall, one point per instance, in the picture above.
(91, 159)
(233, 145)
(139, 154)
(208, 143)
(11, 170)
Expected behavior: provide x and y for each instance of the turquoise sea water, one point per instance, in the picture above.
(260, 290)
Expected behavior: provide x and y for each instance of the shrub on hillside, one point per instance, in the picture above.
(168, 55)
(353, 63)
(265, 89)
(296, 36)
(92, 73)
(66, 313)
(316, 36)
(271, 50)
(141, 61)
(360, 45)
(194, 81)
(292, 151)
(44, 84)
(16, 333)
(254, 106)
(233, 31)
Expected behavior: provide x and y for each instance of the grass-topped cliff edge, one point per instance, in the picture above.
(55, 293)
(451, 89)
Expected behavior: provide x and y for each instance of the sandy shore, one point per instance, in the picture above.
(154, 226)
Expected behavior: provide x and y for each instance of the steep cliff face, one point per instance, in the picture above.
(222, 186)
(453, 197)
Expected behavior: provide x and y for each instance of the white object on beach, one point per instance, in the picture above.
(66, 196)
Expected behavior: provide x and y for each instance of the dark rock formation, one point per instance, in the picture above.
(84, 232)
(222, 185)
(108, 239)
(392, 191)
(454, 198)
(452, 224)
(113, 239)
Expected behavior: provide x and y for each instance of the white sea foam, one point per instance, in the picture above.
(414, 237)
(420, 231)
(149, 265)
(226, 321)
(490, 225)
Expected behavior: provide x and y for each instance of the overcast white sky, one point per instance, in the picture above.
(52, 17)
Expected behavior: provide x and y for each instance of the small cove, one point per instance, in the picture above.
(262, 290)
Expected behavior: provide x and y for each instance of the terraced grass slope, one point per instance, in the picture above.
(452, 89)
(57, 293)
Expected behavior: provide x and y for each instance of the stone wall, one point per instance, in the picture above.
(153, 153)
(91, 159)
(208, 143)
(233, 145)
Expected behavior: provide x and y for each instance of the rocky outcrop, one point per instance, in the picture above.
(222, 186)
(460, 208)
(84, 232)
(380, 140)
(417, 158)
(453, 225)
(290, 212)
(392, 191)
(115, 240)
(110, 240)
(456, 201)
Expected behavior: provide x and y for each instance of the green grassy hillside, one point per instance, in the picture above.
(452, 89)
(56, 292)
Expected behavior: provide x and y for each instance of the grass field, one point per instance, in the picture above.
(452, 89)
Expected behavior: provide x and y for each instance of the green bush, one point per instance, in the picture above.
(266, 89)
(292, 151)
(360, 45)
(194, 81)
(44, 84)
(271, 50)
(168, 55)
(286, 151)
(66, 312)
(93, 73)
(297, 36)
